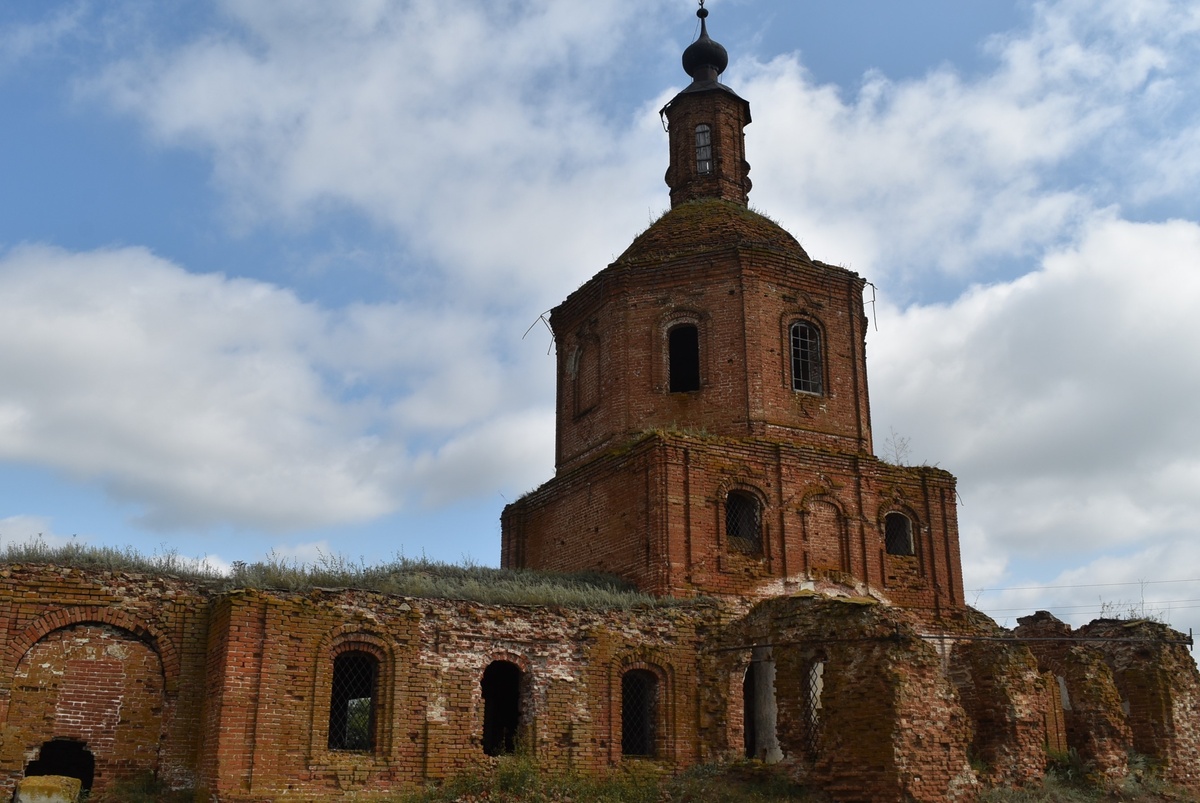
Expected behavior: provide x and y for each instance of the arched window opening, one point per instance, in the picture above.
(501, 687)
(743, 521)
(806, 358)
(65, 757)
(898, 534)
(814, 685)
(352, 701)
(639, 712)
(683, 354)
(704, 158)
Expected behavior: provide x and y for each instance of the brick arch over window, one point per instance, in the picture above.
(744, 519)
(60, 618)
(643, 674)
(900, 529)
(353, 638)
(683, 348)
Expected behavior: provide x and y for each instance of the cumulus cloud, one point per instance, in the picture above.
(205, 399)
(1065, 401)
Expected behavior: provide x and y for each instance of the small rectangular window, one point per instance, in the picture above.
(806, 358)
(704, 160)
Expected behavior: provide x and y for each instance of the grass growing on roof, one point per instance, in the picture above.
(403, 576)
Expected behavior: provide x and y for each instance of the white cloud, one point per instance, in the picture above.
(25, 529)
(205, 399)
(1064, 401)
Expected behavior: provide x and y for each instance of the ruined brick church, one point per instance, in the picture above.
(713, 445)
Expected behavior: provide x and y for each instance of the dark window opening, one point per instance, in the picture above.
(683, 346)
(501, 686)
(65, 757)
(898, 535)
(814, 685)
(806, 358)
(352, 702)
(743, 521)
(639, 712)
(704, 160)
(750, 711)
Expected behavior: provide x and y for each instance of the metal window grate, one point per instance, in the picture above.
(352, 702)
(814, 684)
(704, 160)
(897, 534)
(639, 712)
(743, 521)
(806, 358)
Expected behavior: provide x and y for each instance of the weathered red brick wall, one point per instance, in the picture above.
(653, 513)
(889, 726)
(1159, 687)
(111, 659)
(1009, 703)
(275, 707)
(1095, 722)
(742, 280)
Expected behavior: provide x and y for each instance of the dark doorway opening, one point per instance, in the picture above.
(639, 712)
(501, 686)
(64, 757)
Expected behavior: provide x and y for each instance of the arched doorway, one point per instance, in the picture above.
(89, 690)
(501, 686)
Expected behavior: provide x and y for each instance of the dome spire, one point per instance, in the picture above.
(704, 59)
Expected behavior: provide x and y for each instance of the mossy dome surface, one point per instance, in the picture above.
(709, 224)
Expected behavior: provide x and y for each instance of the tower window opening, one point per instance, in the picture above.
(683, 347)
(743, 521)
(806, 358)
(352, 702)
(639, 712)
(898, 534)
(501, 688)
(704, 160)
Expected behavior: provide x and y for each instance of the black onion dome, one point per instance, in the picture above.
(704, 52)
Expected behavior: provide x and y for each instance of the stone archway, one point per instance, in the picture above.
(93, 684)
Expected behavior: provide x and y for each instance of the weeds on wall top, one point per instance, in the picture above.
(402, 576)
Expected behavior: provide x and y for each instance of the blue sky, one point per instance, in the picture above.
(267, 268)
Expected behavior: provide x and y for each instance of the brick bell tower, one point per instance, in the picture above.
(713, 424)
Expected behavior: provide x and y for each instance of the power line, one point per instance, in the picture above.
(1083, 585)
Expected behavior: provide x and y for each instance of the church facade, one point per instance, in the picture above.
(714, 448)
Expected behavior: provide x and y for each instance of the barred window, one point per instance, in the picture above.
(639, 712)
(704, 160)
(898, 534)
(743, 521)
(806, 358)
(352, 701)
(814, 685)
(683, 354)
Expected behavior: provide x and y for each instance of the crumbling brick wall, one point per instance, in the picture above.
(1008, 701)
(274, 709)
(889, 726)
(112, 660)
(1159, 688)
(1095, 722)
